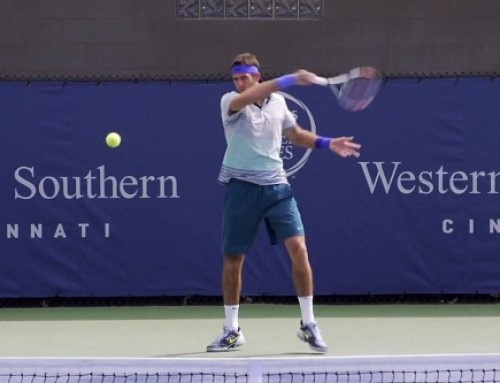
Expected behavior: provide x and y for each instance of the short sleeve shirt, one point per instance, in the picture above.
(254, 137)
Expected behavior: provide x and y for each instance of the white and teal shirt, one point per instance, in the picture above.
(254, 137)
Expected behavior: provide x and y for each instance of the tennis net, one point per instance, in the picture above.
(390, 369)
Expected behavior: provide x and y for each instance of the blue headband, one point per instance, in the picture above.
(252, 69)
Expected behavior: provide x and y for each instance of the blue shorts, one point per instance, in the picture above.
(247, 204)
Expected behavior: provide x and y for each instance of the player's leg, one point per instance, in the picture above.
(303, 279)
(231, 288)
(284, 224)
(232, 337)
(231, 278)
(301, 268)
(239, 228)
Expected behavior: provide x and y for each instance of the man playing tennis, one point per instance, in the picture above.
(255, 119)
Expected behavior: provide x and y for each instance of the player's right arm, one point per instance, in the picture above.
(262, 90)
(225, 107)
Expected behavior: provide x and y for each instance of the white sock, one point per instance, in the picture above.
(231, 315)
(306, 309)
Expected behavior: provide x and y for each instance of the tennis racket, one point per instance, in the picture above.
(354, 90)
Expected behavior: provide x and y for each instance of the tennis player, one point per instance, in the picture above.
(255, 118)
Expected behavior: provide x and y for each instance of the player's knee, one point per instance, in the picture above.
(233, 263)
(298, 253)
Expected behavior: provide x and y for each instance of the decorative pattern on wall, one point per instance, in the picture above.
(250, 9)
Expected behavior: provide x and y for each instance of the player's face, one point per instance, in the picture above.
(243, 81)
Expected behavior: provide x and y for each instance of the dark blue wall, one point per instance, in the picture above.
(418, 212)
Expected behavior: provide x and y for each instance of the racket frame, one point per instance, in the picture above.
(336, 83)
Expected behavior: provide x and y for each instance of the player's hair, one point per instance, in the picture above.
(245, 59)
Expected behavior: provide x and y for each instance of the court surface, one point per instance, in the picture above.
(270, 330)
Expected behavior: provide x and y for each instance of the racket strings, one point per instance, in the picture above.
(358, 93)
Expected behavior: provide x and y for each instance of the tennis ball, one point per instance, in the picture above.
(113, 139)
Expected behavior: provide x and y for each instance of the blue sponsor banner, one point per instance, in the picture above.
(418, 212)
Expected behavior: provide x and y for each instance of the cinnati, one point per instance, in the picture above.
(471, 226)
(60, 230)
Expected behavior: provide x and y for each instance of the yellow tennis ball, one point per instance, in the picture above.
(113, 140)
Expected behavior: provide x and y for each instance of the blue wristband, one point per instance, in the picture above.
(286, 81)
(322, 142)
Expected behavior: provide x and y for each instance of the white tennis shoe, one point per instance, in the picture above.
(310, 334)
(229, 340)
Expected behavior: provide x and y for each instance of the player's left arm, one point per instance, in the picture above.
(342, 146)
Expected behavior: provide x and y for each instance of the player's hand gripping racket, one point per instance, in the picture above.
(354, 90)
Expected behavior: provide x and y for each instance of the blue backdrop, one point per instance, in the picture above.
(418, 212)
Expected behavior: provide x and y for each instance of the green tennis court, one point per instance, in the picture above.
(184, 331)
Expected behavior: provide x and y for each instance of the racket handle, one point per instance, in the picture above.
(320, 81)
(340, 79)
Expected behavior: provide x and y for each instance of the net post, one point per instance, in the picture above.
(254, 371)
